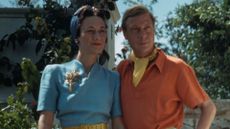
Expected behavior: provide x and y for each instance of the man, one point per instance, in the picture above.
(154, 86)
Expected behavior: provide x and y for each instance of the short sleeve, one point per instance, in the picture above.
(48, 92)
(116, 107)
(189, 89)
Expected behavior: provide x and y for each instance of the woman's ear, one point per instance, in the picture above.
(76, 41)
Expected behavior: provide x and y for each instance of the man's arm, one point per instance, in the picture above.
(46, 120)
(208, 112)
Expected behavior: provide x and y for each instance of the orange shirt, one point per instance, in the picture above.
(157, 102)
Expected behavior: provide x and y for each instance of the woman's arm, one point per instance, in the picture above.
(46, 120)
(117, 123)
(208, 111)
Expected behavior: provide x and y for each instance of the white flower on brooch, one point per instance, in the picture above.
(71, 78)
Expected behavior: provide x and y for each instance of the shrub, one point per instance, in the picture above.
(17, 114)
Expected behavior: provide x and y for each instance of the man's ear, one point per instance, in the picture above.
(125, 34)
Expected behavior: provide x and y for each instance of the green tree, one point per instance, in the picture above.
(199, 33)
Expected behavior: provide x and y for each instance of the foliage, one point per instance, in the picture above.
(124, 52)
(50, 30)
(31, 75)
(199, 33)
(17, 114)
(7, 65)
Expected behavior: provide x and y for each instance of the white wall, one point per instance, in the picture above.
(10, 21)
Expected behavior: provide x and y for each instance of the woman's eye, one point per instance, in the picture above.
(103, 31)
(90, 31)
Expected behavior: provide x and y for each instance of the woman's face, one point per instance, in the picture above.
(93, 34)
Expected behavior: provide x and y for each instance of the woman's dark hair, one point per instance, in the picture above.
(76, 21)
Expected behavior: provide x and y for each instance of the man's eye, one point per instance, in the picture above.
(147, 28)
(135, 29)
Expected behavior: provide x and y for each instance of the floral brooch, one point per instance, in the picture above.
(71, 78)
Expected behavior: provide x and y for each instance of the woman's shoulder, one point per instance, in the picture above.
(110, 73)
(58, 67)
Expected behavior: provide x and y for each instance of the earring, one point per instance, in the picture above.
(76, 41)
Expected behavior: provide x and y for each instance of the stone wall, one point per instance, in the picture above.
(222, 119)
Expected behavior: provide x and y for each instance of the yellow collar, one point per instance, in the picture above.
(140, 65)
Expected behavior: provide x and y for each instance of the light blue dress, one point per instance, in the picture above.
(95, 97)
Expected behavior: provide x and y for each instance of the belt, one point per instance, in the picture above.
(90, 126)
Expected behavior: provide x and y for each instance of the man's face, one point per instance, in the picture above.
(140, 34)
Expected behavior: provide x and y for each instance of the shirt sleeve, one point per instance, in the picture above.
(116, 107)
(189, 89)
(48, 92)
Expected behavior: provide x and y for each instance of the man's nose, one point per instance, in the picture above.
(142, 33)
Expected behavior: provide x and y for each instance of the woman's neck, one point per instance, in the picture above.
(87, 61)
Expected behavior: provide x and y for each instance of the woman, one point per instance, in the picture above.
(82, 93)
